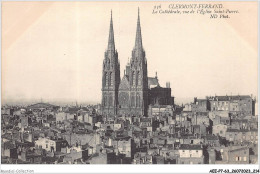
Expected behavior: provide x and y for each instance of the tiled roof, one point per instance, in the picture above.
(227, 98)
(9, 145)
(239, 149)
(237, 97)
(241, 130)
(222, 98)
(211, 137)
(190, 147)
(144, 119)
(122, 138)
(202, 113)
(153, 81)
(239, 120)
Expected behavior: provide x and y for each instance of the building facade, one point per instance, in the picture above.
(110, 76)
(191, 154)
(237, 105)
(132, 94)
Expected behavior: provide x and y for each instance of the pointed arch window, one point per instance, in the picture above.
(106, 79)
(133, 100)
(138, 100)
(138, 78)
(110, 79)
(110, 102)
(133, 78)
(108, 63)
(105, 101)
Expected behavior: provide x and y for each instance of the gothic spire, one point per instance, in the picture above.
(138, 38)
(111, 42)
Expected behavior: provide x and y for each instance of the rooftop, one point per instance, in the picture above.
(153, 81)
(228, 98)
(190, 147)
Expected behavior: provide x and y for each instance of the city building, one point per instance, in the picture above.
(132, 94)
(191, 154)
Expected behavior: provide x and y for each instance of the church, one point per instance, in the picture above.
(132, 94)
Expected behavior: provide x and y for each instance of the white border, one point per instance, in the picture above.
(83, 168)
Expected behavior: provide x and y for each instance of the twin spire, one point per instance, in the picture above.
(111, 41)
(138, 38)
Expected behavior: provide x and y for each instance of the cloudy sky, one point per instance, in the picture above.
(54, 50)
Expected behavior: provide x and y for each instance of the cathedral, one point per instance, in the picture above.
(132, 94)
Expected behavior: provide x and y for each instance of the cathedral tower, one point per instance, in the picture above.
(133, 93)
(110, 76)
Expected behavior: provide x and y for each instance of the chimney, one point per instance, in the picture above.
(168, 85)
(195, 100)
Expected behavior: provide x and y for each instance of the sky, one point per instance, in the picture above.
(53, 51)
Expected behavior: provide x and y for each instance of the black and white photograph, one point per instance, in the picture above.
(92, 83)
